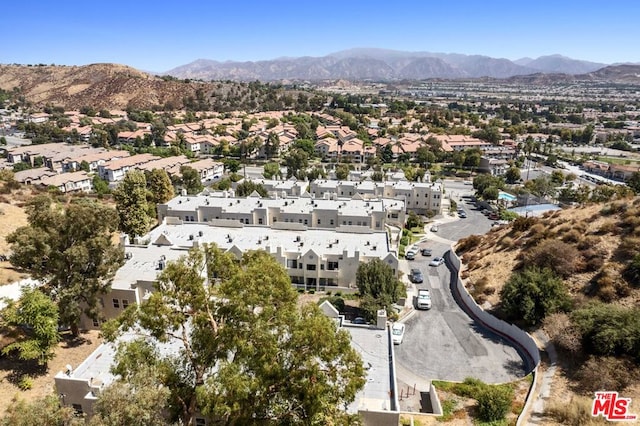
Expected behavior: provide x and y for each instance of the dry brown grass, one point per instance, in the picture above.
(71, 352)
(11, 218)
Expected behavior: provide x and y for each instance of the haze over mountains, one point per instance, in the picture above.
(383, 65)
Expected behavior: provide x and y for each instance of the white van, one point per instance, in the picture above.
(424, 299)
(397, 333)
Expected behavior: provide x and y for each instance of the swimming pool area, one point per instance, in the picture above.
(506, 196)
(535, 210)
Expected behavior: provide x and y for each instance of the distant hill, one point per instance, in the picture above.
(113, 86)
(562, 64)
(96, 85)
(381, 65)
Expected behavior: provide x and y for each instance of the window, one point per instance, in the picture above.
(377, 224)
(306, 222)
(331, 222)
(318, 221)
(332, 266)
(311, 267)
(116, 303)
(125, 303)
(292, 263)
(322, 266)
(259, 221)
(96, 323)
(300, 265)
(350, 222)
(300, 220)
(344, 222)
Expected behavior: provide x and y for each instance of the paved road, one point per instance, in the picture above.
(444, 343)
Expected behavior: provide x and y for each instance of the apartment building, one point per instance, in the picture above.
(315, 259)
(420, 197)
(377, 402)
(305, 212)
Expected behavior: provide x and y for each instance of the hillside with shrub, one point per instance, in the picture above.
(575, 273)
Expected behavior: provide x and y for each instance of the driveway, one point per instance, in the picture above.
(445, 343)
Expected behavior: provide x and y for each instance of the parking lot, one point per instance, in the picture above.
(443, 342)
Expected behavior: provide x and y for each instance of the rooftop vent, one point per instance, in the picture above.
(298, 238)
(161, 264)
(200, 233)
(128, 255)
(191, 237)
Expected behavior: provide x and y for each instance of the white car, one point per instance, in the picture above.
(437, 261)
(434, 228)
(397, 333)
(411, 253)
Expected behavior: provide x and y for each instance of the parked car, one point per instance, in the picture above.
(434, 228)
(437, 261)
(411, 253)
(426, 251)
(397, 333)
(359, 320)
(462, 215)
(416, 276)
(494, 216)
(424, 299)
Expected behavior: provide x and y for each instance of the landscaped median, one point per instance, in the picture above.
(481, 402)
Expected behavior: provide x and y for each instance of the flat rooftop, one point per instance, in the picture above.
(373, 346)
(173, 241)
(302, 205)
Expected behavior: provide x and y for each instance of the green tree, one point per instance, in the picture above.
(140, 400)
(297, 162)
(413, 221)
(512, 175)
(342, 171)
(131, 204)
(272, 170)
(247, 187)
(100, 186)
(70, 249)
(248, 353)
(494, 402)
(491, 193)
(36, 315)
(85, 166)
(191, 180)
(378, 286)
(533, 294)
(160, 189)
(42, 411)
(634, 182)
(232, 165)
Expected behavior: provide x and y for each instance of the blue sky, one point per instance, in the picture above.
(160, 35)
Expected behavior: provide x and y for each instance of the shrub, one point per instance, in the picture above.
(494, 402)
(609, 330)
(468, 243)
(572, 236)
(25, 382)
(629, 247)
(560, 257)
(632, 271)
(563, 332)
(337, 302)
(522, 224)
(602, 373)
(533, 294)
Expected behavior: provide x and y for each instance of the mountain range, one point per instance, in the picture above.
(381, 65)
